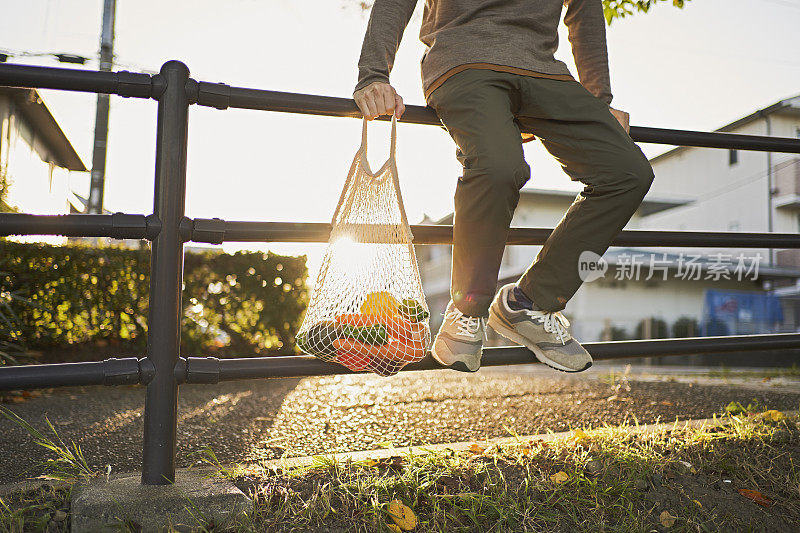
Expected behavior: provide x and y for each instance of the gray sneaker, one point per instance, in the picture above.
(459, 343)
(544, 333)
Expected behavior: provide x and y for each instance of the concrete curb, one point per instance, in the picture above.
(382, 453)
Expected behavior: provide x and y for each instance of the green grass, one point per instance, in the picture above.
(636, 477)
(615, 479)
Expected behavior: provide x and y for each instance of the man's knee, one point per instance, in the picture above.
(498, 171)
(635, 172)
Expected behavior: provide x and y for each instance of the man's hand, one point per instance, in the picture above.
(623, 118)
(379, 98)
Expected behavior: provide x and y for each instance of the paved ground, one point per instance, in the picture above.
(251, 420)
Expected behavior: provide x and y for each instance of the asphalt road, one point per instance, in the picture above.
(251, 420)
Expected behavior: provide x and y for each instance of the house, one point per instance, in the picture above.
(36, 156)
(694, 189)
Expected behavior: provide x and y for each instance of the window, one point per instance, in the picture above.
(733, 157)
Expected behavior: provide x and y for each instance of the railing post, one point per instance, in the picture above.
(166, 278)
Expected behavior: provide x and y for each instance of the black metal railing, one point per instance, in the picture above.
(163, 369)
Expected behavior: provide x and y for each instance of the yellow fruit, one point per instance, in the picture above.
(380, 303)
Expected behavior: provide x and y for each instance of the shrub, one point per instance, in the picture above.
(248, 303)
(658, 329)
(685, 326)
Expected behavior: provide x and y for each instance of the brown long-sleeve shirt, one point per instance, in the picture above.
(518, 36)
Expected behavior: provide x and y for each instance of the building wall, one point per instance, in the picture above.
(623, 303)
(726, 197)
(36, 185)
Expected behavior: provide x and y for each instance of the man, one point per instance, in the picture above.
(488, 72)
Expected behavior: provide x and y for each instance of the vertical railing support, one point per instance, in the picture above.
(166, 278)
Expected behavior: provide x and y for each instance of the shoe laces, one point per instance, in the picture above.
(466, 326)
(553, 322)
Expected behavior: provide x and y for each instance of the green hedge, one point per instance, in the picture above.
(248, 303)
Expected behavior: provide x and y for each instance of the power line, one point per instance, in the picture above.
(77, 59)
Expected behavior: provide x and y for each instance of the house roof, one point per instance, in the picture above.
(46, 130)
(649, 206)
(787, 106)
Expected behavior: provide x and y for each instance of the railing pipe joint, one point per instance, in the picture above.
(121, 371)
(202, 370)
(208, 230)
(146, 370)
(134, 84)
(216, 95)
(153, 224)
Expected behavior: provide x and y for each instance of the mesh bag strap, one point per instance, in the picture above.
(392, 144)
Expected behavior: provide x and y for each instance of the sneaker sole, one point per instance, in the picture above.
(459, 366)
(497, 325)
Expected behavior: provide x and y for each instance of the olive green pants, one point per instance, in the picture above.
(483, 111)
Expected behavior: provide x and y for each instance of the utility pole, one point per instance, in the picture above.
(97, 184)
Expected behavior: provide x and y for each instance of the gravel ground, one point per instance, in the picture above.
(251, 420)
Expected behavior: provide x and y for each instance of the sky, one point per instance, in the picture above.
(698, 68)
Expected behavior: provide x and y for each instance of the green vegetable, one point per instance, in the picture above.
(376, 334)
(319, 339)
(412, 310)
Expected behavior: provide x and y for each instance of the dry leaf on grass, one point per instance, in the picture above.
(475, 448)
(579, 435)
(756, 496)
(402, 515)
(559, 477)
(666, 519)
(772, 415)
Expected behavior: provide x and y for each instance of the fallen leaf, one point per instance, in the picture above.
(666, 519)
(526, 450)
(476, 449)
(735, 408)
(756, 496)
(579, 435)
(698, 503)
(402, 515)
(370, 463)
(667, 402)
(772, 415)
(394, 462)
(559, 477)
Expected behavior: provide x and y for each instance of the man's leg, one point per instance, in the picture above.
(476, 108)
(592, 147)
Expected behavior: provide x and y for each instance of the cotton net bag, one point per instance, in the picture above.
(367, 309)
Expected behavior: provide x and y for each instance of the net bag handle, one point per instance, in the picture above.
(392, 144)
(361, 158)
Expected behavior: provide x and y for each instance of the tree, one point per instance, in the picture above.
(5, 183)
(613, 9)
(617, 9)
